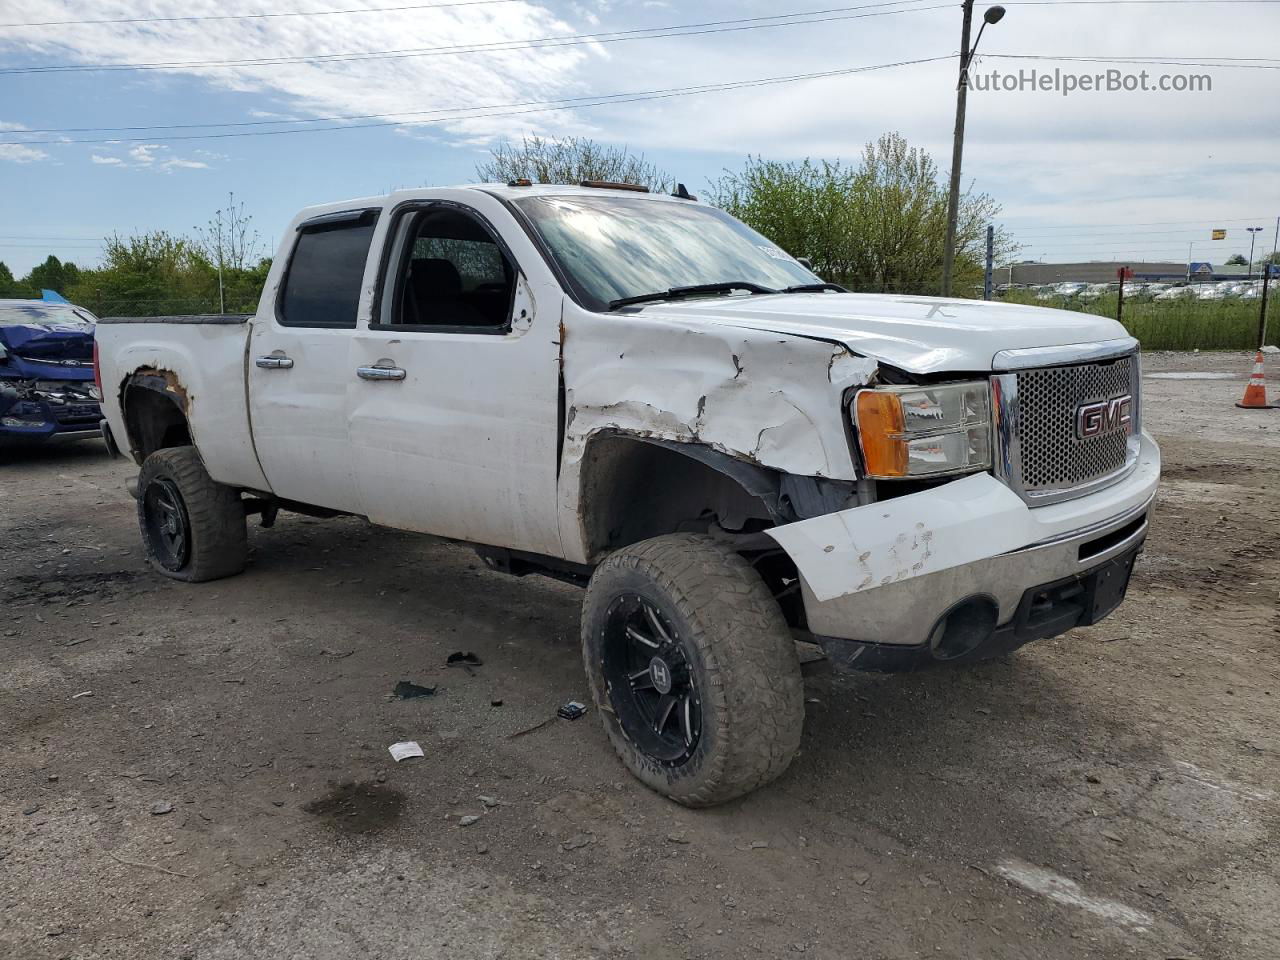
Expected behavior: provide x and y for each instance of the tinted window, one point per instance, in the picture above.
(455, 275)
(322, 287)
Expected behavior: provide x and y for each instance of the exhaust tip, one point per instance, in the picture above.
(964, 628)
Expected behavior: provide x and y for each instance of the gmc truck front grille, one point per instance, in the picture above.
(1054, 455)
(1064, 431)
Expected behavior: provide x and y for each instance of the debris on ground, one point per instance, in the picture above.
(404, 750)
(160, 808)
(495, 703)
(468, 820)
(571, 710)
(336, 654)
(537, 726)
(407, 690)
(577, 842)
(84, 693)
(460, 659)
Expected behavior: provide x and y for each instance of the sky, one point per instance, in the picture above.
(1092, 175)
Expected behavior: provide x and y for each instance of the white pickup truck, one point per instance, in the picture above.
(640, 394)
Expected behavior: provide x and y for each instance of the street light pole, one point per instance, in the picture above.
(1253, 235)
(993, 15)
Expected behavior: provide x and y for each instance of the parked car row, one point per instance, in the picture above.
(1136, 290)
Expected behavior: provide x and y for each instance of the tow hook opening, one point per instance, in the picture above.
(963, 628)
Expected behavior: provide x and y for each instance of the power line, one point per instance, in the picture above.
(60, 246)
(260, 16)
(602, 98)
(1155, 223)
(615, 36)
(17, 236)
(1229, 62)
(1110, 3)
(501, 111)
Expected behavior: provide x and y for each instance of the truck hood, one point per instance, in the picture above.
(917, 334)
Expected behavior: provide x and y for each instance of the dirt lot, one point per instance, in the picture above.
(1110, 793)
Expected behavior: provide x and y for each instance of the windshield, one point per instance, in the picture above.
(37, 314)
(613, 247)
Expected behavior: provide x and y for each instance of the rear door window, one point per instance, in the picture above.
(322, 285)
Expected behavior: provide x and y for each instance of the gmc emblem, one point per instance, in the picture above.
(1105, 416)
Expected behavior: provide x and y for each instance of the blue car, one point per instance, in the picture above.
(46, 371)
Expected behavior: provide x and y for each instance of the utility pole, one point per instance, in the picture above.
(991, 253)
(957, 153)
(993, 15)
(1262, 309)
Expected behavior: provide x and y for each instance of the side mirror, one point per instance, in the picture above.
(806, 263)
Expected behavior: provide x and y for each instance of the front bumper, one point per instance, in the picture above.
(892, 574)
(29, 414)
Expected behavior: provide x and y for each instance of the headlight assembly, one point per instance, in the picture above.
(924, 431)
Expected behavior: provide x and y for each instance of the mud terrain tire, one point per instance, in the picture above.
(193, 528)
(724, 641)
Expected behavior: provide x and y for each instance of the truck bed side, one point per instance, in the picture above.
(197, 364)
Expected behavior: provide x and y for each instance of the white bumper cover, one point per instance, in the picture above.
(886, 572)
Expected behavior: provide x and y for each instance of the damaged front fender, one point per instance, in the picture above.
(767, 400)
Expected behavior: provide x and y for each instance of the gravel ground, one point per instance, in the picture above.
(202, 771)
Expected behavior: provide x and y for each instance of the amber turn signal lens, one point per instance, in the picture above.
(880, 429)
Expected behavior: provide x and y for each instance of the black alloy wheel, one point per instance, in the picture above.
(167, 524)
(651, 682)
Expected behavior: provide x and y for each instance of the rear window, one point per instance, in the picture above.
(322, 286)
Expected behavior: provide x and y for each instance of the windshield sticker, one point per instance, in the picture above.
(775, 252)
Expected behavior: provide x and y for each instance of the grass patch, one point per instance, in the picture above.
(1178, 324)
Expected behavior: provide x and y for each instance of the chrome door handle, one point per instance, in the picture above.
(380, 373)
(273, 362)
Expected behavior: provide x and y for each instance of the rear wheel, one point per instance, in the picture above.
(193, 527)
(693, 669)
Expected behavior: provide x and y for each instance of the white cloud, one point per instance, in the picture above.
(339, 88)
(20, 153)
(155, 156)
(143, 155)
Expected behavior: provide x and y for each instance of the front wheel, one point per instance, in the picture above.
(693, 669)
(193, 527)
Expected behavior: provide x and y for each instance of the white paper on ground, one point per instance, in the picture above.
(405, 750)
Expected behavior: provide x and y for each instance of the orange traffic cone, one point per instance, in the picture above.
(1255, 394)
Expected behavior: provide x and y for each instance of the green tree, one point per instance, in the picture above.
(148, 274)
(570, 160)
(9, 287)
(876, 226)
(54, 275)
(1237, 260)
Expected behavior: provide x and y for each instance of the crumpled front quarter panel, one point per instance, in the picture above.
(768, 399)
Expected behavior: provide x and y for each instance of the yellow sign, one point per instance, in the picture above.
(1219, 235)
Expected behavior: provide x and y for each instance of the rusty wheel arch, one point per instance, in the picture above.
(155, 405)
